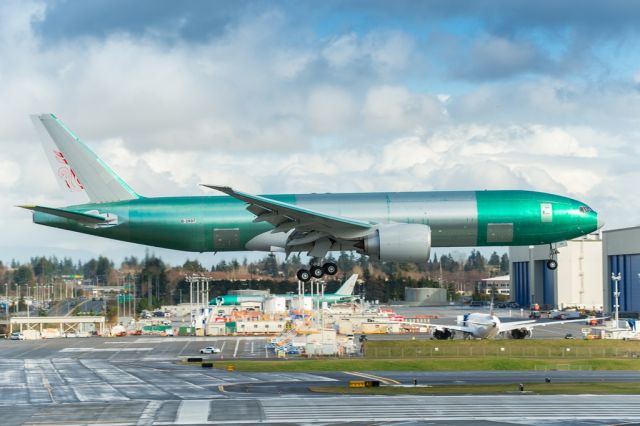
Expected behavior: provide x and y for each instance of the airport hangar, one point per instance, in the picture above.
(583, 276)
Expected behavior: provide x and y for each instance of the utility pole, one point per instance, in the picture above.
(616, 294)
(149, 291)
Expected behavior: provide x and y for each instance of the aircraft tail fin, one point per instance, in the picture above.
(348, 286)
(76, 166)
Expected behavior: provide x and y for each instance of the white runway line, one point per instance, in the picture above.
(235, 352)
(194, 411)
(384, 380)
(104, 349)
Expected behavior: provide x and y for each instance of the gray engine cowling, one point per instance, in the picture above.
(399, 242)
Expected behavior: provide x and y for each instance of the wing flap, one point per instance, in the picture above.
(310, 230)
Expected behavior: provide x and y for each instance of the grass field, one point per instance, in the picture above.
(526, 348)
(461, 355)
(599, 388)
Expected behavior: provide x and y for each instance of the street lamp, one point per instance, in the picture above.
(616, 279)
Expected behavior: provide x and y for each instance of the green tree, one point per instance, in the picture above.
(23, 275)
(193, 266)
(154, 277)
(504, 263)
(494, 260)
(270, 265)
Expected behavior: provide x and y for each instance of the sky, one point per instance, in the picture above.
(332, 96)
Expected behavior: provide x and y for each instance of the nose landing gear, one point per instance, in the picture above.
(316, 271)
(552, 264)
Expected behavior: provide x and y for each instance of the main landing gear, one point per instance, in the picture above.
(316, 271)
(552, 264)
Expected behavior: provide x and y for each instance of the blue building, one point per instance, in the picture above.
(621, 255)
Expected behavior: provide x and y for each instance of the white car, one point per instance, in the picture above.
(210, 350)
(16, 336)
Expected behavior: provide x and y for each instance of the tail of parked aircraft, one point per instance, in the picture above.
(348, 286)
(76, 166)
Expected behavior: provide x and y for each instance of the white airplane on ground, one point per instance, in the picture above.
(487, 326)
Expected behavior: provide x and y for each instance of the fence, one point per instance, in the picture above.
(506, 352)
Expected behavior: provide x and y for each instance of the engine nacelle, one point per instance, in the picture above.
(443, 334)
(399, 242)
(520, 333)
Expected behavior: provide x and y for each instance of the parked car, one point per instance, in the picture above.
(210, 350)
(16, 336)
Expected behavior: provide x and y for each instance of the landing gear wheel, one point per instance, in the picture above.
(303, 275)
(552, 264)
(317, 271)
(330, 268)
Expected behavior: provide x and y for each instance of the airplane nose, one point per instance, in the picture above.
(600, 222)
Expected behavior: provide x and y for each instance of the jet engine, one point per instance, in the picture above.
(398, 242)
(443, 334)
(520, 333)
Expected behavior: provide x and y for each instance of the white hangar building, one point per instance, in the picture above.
(577, 281)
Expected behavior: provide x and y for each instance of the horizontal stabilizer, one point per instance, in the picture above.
(85, 218)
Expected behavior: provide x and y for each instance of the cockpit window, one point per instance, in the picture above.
(584, 209)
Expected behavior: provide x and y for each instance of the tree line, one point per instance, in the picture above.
(157, 283)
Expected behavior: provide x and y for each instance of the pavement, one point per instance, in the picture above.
(135, 381)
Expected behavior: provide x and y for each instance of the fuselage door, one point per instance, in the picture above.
(226, 239)
(546, 212)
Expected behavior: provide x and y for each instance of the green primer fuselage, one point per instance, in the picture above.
(232, 299)
(456, 218)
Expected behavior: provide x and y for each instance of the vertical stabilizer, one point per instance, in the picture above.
(348, 286)
(76, 166)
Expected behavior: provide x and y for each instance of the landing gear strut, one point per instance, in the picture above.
(552, 264)
(316, 271)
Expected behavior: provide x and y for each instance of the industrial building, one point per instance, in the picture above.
(425, 296)
(577, 281)
(501, 285)
(621, 255)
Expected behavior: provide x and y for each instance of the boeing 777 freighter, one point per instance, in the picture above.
(388, 226)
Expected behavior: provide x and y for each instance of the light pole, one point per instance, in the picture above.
(616, 279)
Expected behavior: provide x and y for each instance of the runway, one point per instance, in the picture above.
(136, 381)
(406, 410)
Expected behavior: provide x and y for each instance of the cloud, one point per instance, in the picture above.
(394, 108)
(271, 100)
(492, 57)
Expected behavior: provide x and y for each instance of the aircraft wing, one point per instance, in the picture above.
(443, 327)
(314, 230)
(533, 323)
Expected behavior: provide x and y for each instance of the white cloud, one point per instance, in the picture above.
(330, 109)
(268, 109)
(9, 173)
(394, 108)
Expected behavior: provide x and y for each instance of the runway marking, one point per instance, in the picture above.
(235, 352)
(149, 414)
(194, 411)
(384, 380)
(104, 349)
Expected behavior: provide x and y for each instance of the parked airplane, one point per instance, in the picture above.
(344, 294)
(388, 226)
(488, 326)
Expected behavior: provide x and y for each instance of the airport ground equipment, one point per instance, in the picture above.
(387, 226)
